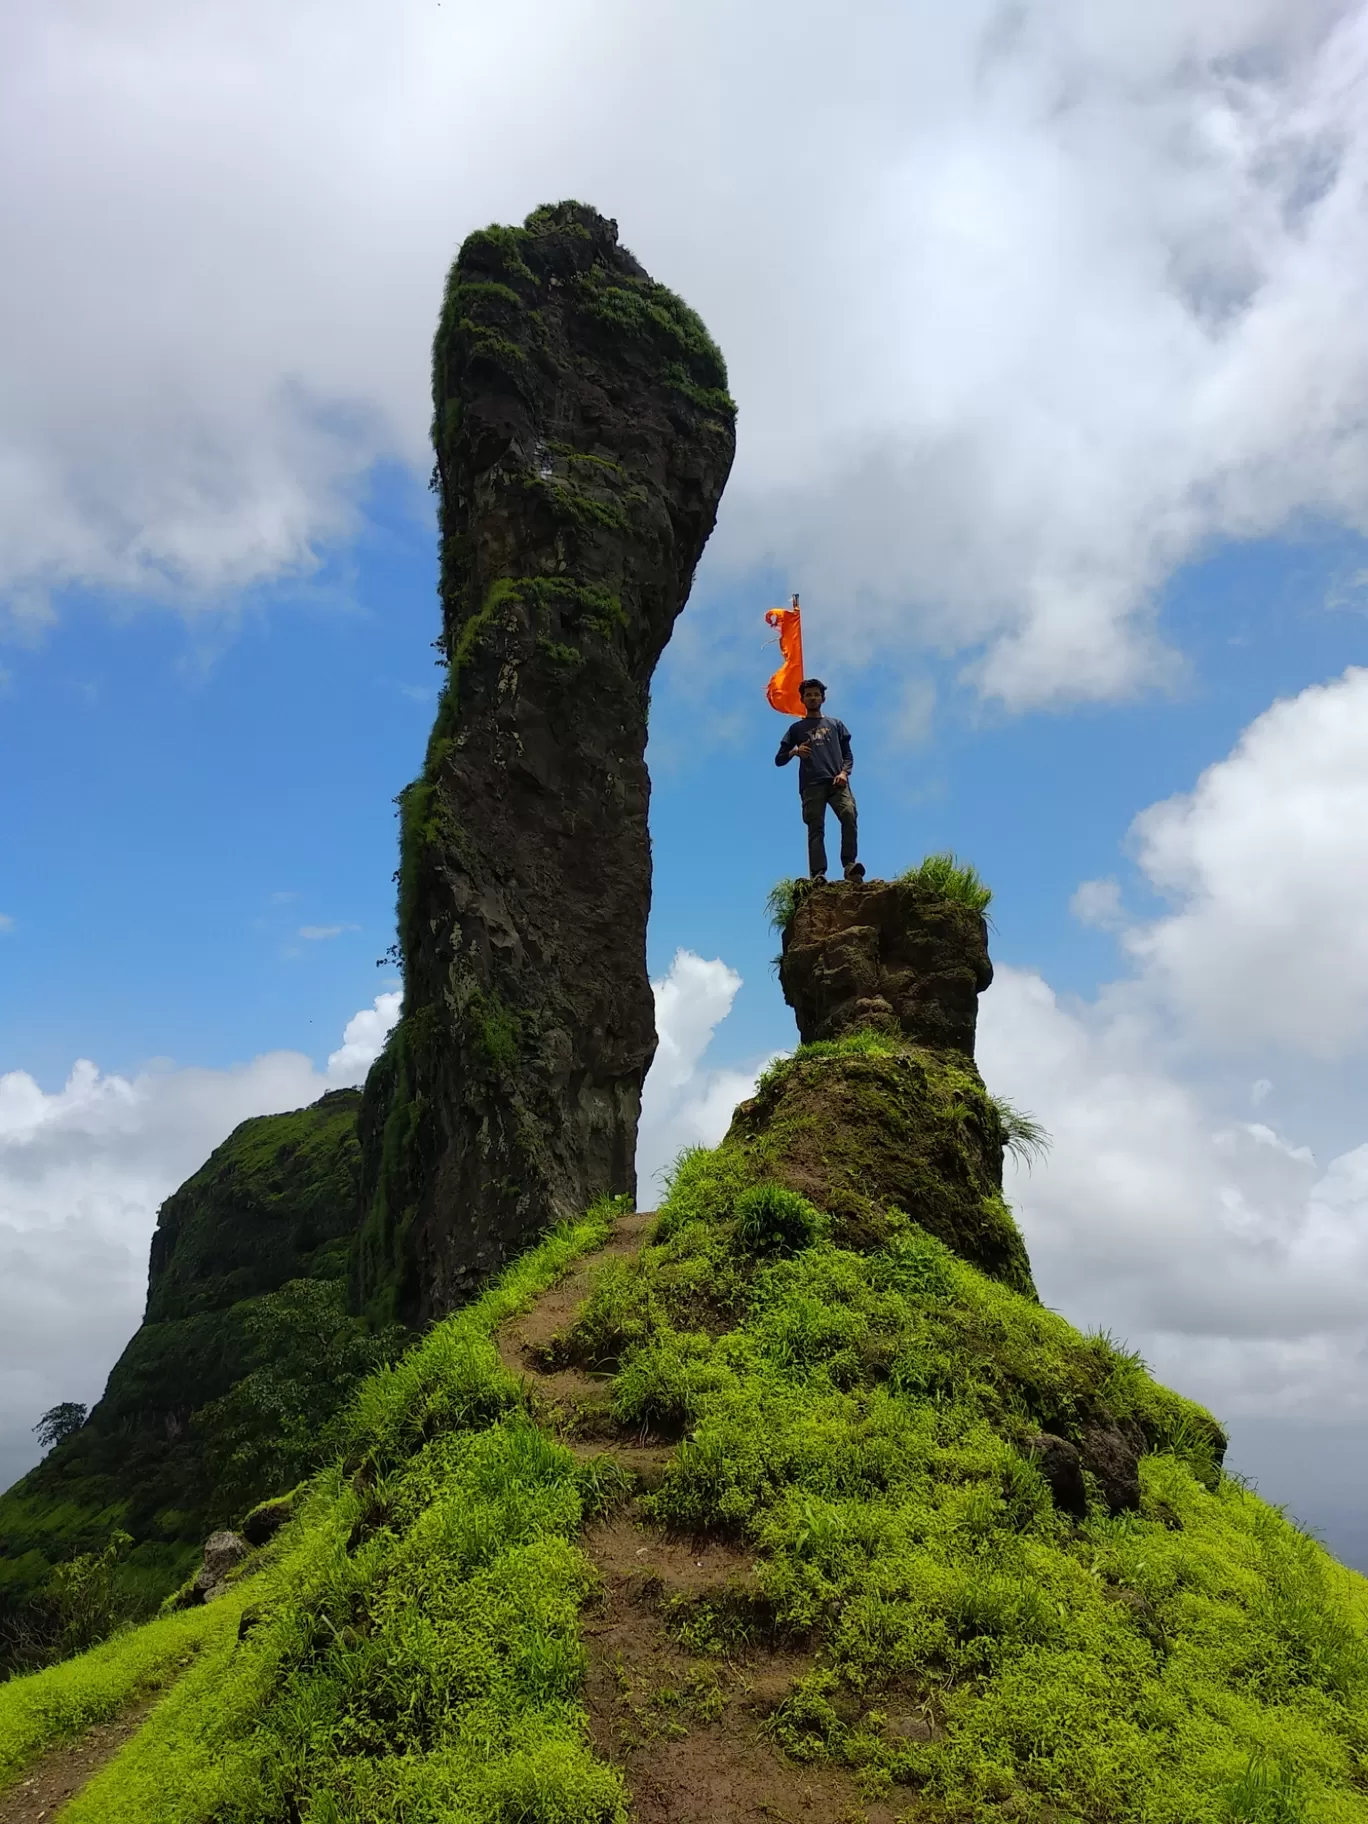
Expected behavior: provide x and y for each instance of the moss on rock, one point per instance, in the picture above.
(863, 1131)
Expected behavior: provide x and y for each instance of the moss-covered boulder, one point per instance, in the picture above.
(583, 434)
(867, 1126)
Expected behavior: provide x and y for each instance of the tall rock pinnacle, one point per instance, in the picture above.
(583, 435)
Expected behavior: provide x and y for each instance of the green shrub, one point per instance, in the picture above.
(86, 1596)
(771, 1220)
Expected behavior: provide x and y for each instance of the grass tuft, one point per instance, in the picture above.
(414, 1649)
(862, 1420)
(40, 1710)
(1025, 1138)
(781, 903)
(948, 877)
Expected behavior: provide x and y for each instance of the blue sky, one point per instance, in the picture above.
(199, 795)
(1046, 329)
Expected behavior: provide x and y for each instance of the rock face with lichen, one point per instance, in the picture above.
(882, 1110)
(889, 956)
(583, 435)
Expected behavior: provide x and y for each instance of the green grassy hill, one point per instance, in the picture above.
(769, 1505)
(225, 1391)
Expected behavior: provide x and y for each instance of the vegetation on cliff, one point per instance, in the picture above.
(883, 1434)
(225, 1393)
(867, 1126)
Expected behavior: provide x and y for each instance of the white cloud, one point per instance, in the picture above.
(317, 934)
(83, 1170)
(6, 923)
(363, 1039)
(1098, 903)
(1268, 942)
(1222, 1250)
(684, 1103)
(1073, 287)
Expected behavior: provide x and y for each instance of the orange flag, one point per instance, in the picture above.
(783, 686)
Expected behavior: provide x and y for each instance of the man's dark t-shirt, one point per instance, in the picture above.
(830, 750)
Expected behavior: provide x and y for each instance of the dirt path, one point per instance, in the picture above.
(61, 1773)
(682, 1708)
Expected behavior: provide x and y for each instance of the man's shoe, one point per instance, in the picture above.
(855, 871)
(817, 880)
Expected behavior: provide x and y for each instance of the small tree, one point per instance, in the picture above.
(59, 1423)
(85, 1594)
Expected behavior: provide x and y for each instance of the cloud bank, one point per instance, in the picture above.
(1024, 305)
(1202, 1229)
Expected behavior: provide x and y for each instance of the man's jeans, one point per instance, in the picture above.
(816, 798)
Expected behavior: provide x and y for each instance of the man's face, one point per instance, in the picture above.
(812, 700)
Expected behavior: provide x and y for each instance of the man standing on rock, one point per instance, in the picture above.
(822, 745)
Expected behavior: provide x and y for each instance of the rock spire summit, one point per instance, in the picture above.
(583, 434)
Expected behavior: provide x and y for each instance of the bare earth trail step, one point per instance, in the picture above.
(579, 1396)
(688, 1727)
(57, 1776)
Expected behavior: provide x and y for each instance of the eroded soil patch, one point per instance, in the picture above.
(522, 1340)
(689, 1728)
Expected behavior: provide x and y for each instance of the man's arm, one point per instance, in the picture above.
(791, 745)
(842, 734)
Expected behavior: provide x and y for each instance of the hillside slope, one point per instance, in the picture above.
(774, 1509)
(244, 1352)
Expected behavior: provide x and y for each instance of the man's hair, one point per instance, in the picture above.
(810, 683)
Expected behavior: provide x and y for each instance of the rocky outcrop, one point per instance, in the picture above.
(224, 1551)
(583, 435)
(888, 955)
(265, 1520)
(881, 1115)
(1110, 1453)
(864, 1134)
(1061, 1464)
(898, 1119)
